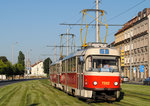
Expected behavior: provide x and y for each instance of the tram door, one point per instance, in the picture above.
(79, 75)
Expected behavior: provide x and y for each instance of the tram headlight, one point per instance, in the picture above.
(95, 83)
(115, 83)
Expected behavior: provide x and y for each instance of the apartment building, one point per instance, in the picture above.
(132, 40)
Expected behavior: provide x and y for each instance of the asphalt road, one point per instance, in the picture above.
(4, 83)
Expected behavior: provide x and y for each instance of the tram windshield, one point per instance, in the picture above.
(102, 64)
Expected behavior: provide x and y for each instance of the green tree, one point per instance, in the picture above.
(2, 67)
(4, 59)
(6, 69)
(9, 70)
(46, 64)
(21, 69)
(21, 58)
(18, 69)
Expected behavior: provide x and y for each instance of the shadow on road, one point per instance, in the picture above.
(89, 101)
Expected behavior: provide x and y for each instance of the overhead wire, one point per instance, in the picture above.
(75, 23)
(129, 9)
(123, 11)
(93, 5)
(81, 17)
(116, 16)
(112, 17)
(79, 20)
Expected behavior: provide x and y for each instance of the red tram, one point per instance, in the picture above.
(91, 73)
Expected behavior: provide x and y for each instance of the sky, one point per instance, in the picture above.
(30, 25)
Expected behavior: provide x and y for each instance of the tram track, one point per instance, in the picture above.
(39, 92)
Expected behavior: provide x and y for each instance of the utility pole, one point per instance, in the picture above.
(62, 45)
(67, 41)
(68, 34)
(97, 18)
(73, 44)
(56, 46)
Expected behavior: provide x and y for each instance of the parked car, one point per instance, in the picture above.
(124, 79)
(146, 81)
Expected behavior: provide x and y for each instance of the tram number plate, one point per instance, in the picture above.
(105, 83)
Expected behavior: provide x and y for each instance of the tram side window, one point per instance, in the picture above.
(69, 65)
(73, 64)
(54, 69)
(89, 64)
(63, 66)
(50, 70)
(58, 68)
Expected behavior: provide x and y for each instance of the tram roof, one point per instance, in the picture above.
(77, 53)
(82, 52)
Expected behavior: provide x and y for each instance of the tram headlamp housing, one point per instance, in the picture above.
(115, 83)
(95, 83)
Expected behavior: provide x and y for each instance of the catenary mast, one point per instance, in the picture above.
(97, 18)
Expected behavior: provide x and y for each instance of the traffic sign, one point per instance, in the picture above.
(141, 67)
(134, 69)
